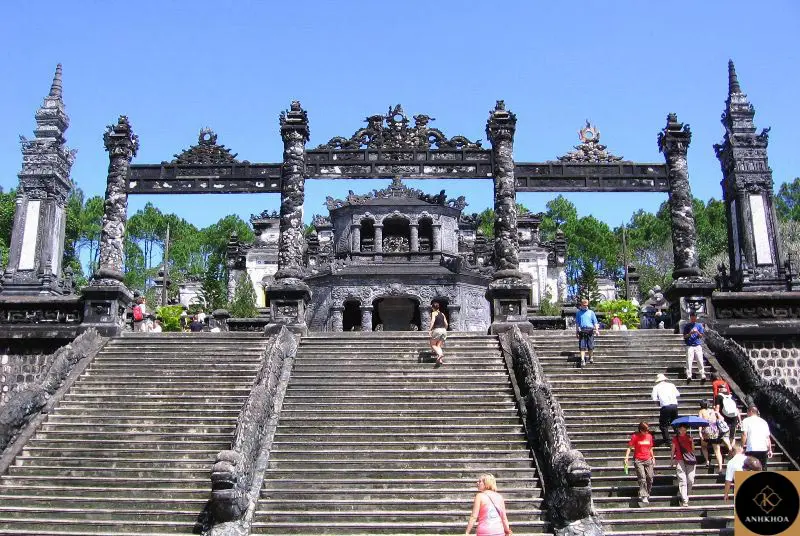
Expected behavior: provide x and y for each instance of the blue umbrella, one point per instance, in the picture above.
(690, 421)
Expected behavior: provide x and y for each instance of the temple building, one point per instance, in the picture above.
(376, 262)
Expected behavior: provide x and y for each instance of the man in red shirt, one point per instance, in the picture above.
(643, 459)
(716, 383)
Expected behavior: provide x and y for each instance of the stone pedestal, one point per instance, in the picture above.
(104, 306)
(424, 317)
(455, 317)
(687, 294)
(756, 314)
(509, 300)
(337, 318)
(288, 298)
(220, 317)
(366, 318)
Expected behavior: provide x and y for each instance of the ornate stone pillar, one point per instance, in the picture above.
(436, 239)
(414, 239)
(37, 236)
(366, 317)
(674, 141)
(289, 295)
(455, 317)
(337, 318)
(378, 238)
(424, 317)
(122, 145)
(510, 289)
(355, 233)
(690, 291)
(107, 297)
(754, 247)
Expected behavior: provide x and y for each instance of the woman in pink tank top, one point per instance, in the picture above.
(489, 510)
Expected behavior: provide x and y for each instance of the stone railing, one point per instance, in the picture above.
(566, 475)
(252, 325)
(26, 401)
(778, 404)
(237, 474)
(547, 322)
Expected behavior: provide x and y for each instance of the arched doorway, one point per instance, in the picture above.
(396, 313)
(351, 316)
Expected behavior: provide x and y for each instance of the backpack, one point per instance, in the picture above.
(137, 313)
(729, 408)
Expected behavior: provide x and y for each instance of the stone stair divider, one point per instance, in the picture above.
(238, 473)
(566, 477)
(777, 404)
(21, 417)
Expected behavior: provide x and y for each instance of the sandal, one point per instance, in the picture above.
(440, 360)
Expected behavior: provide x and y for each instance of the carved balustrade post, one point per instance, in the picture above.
(424, 317)
(366, 317)
(414, 239)
(106, 297)
(455, 317)
(510, 288)
(289, 295)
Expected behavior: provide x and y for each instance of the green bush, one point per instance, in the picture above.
(624, 309)
(170, 316)
(243, 304)
(547, 307)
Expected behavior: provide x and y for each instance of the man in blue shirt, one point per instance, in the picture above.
(693, 333)
(587, 327)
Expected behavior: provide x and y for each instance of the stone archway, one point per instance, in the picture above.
(351, 316)
(396, 313)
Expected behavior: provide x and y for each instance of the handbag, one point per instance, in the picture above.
(688, 457)
(723, 426)
(711, 431)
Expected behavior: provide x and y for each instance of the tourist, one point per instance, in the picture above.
(488, 510)
(586, 327)
(756, 437)
(438, 331)
(752, 464)
(616, 323)
(725, 405)
(196, 326)
(685, 462)
(693, 333)
(716, 383)
(666, 394)
(184, 321)
(736, 463)
(644, 461)
(710, 435)
(140, 315)
(157, 326)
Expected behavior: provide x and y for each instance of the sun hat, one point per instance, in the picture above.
(661, 378)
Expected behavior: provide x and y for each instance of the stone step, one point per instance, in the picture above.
(370, 526)
(55, 501)
(189, 407)
(334, 494)
(424, 413)
(90, 459)
(415, 466)
(389, 390)
(283, 442)
(460, 501)
(444, 406)
(134, 436)
(44, 453)
(118, 493)
(445, 455)
(109, 481)
(278, 482)
(419, 515)
(109, 418)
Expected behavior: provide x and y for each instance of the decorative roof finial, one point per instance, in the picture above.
(55, 88)
(733, 80)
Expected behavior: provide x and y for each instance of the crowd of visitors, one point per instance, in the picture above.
(147, 322)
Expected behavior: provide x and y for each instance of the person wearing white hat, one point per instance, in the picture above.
(666, 394)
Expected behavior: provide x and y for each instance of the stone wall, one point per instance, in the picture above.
(776, 360)
(20, 367)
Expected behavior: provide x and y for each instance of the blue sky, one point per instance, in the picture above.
(175, 67)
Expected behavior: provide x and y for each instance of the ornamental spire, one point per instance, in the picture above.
(733, 80)
(55, 88)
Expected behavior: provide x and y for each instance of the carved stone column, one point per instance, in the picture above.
(674, 141)
(337, 318)
(355, 233)
(378, 238)
(510, 289)
(289, 295)
(414, 239)
(424, 317)
(436, 238)
(107, 297)
(455, 317)
(690, 291)
(37, 236)
(366, 317)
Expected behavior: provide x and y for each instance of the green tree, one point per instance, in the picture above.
(587, 284)
(787, 201)
(712, 229)
(243, 304)
(560, 211)
(7, 208)
(486, 222)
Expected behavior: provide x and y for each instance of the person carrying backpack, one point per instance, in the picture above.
(140, 315)
(726, 406)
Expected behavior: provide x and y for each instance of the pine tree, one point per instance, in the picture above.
(243, 304)
(587, 284)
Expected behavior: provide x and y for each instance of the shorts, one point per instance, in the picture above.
(586, 340)
(439, 334)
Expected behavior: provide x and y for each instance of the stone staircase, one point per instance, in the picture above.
(374, 439)
(130, 448)
(603, 404)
